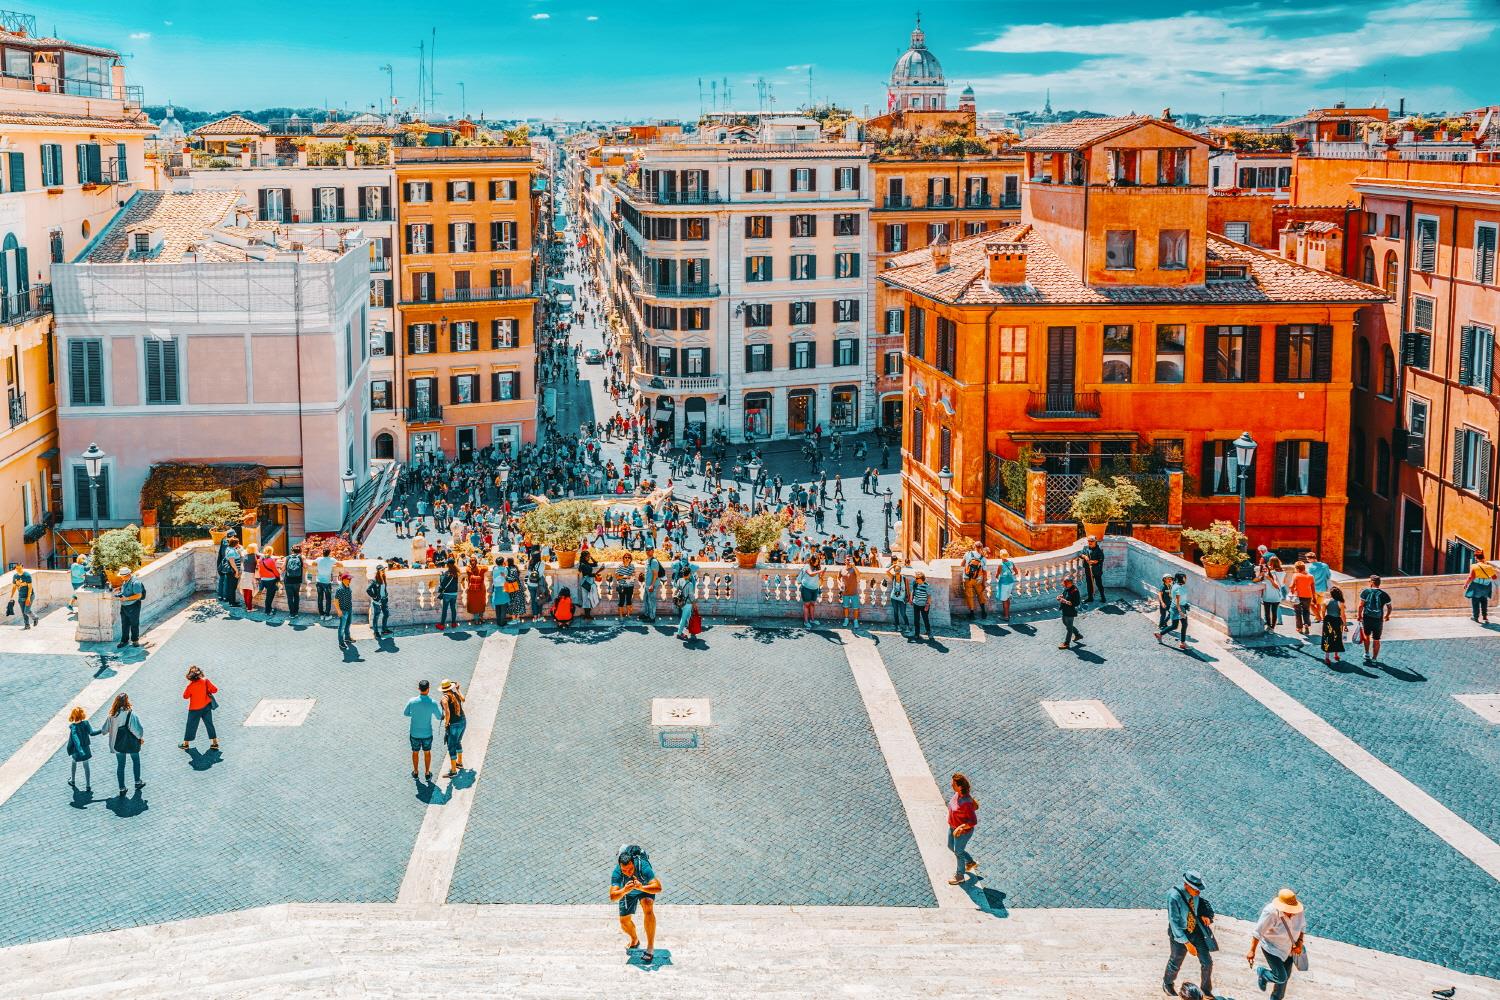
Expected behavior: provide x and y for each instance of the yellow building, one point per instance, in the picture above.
(74, 150)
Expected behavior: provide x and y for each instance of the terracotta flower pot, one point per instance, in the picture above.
(217, 534)
(148, 518)
(1094, 530)
(1216, 570)
(747, 560)
(567, 558)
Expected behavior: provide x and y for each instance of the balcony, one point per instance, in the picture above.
(315, 216)
(897, 201)
(425, 413)
(17, 408)
(18, 307)
(497, 293)
(129, 95)
(659, 197)
(1062, 404)
(380, 263)
(647, 382)
(940, 201)
(979, 201)
(1011, 202)
(670, 291)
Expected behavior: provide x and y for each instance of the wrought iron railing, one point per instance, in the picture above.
(428, 413)
(1062, 403)
(16, 405)
(18, 307)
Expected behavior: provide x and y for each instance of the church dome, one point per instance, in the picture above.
(917, 65)
(171, 129)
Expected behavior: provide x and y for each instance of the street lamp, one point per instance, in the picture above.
(504, 471)
(1244, 454)
(753, 470)
(93, 463)
(945, 481)
(887, 522)
(348, 480)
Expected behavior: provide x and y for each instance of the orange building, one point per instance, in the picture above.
(466, 367)
(1110, 327)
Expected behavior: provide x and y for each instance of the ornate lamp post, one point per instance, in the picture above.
(1244, 454)
(753, 469)
(93, 463)
(348, 481)
(945, 481)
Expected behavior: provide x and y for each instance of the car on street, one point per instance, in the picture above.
(593, 356)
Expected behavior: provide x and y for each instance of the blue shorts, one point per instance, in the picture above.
(421, 743)
(850, 601)
(630, 901)
(810, 595)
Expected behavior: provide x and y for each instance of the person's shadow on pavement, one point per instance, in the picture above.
(126, 807)
(660, 959)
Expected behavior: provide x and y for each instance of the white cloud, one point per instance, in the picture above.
(139, 36)
(541, 17)
(592, 17)
(167, 23)
(1194, 54)
(800, 68)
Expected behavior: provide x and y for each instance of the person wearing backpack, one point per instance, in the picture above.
(1374, 612)
(292, 573)
(635, 884)
(124, 734)
(379, 593)
(268, 576)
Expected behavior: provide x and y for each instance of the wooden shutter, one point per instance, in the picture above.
(411, 340)
(338, 202)
(1283, 455)
(453, 337)
(1317, 469)
(1427, 245)
(1484, 359)
(453, 389)
(1484, 255)
(17, 172)
(1483, 457)
(1458, 457)
(1252, 354)
(1206, 470)
(1465, 356)
(1323, 354)
(261, 199)
(153, 370)
(1210, 354)
(494, 387)
(286, 205)
(1283, 348)
(81, 493)
(77, 373)
(449, 187)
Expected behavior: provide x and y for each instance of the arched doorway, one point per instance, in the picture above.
(385, 446)
(664, 418)
(695, 419)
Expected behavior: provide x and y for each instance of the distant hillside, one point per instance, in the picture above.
(192, 119)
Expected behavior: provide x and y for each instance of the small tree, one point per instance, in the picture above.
(751, 534)
(1221, 544)
(1099, 503)
(562, 525)
(118, 548)
(213, 509)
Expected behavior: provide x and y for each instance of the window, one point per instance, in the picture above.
(86, 372)
(1362, 363)
(1459, 556)
(52, 165)
(84, 494)
(843, 407)
(1422, 311)
(1231, 354)
(1476, 357)
(1012, 192)
(502, 334)
(419, 238)
(1239, 232)
(1427, 240)
(757, 227)
(380, 394)
(460, 190)
(502, 234)
(757, 357)
(1471, 461)
(90, 165)
(1301, 468)
(460, 237)
(895, 237)
(660, 317)
(846, 265)
(975, 228)
(758, 314)
(504, 385)
(892, 365)
(417, 192)
(275, 205)
(846, 224)
(162, 383)
(1172, 250)
(802, 313)
(502, 190)
(804, 225)
(946, 353)
(1124, 166)
(1221, 470)
(18, 63)
(1392, 273)
(1416, 431)
(916, 336)
(758, 415)
(1484, 253)
(804, 354)
(463, 336)
(1393, 227)
(419, 338)
(758, 179)
(1357, 456)
(757, 268)
(1368, 268)
(1304, 353)
(695, 361)
(1012, 360)
(945, 448)
(695, 318)
(894, 322)
(664, 361)
(1119, 249)
(55, 246)
(1171, 353)
(804, 179)
(695, 229)
(846, 351)
(122, 164)
(1372, 222)
(423, 286)
(846, 179)
(846, 311)
(918, 435)
(1383, 467)
(804, 267)
(1172, 166)
(1117, 352)
(1387, 372)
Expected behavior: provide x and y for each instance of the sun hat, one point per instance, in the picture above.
(1287, 902)
(448, 686)
(125, 571)
(1193, 879)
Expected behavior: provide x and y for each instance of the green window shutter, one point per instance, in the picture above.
(122, 167)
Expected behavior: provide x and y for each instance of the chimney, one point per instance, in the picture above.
(1007, 263)
(940, 254)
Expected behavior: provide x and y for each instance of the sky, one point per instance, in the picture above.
(609, 60)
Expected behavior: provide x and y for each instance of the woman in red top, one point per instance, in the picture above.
(475, 590)
(201, 704)
(963, 817)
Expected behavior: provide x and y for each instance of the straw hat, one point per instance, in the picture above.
(449, 686)
(1287, 902)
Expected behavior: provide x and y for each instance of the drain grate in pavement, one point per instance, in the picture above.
(1081, 715)
(280, 712)
(681, 723)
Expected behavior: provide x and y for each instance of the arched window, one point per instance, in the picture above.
(1369, 266)
(385, 446)
(1388, 372)
(1362, 362)
(1392, 273)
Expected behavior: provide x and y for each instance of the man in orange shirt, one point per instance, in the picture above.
(1303, 590)
(849, 595)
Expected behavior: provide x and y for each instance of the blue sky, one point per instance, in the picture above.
(601, 58)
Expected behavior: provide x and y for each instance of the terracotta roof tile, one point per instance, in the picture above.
(341, 129)
(231, 125)
(1077, 134)
(1050, 281)
(44, 119)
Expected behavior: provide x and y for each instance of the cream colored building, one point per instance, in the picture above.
(72, 150)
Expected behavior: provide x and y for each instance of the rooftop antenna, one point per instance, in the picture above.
(713, 86)
(810, 101)
(700, 97)
(463, 101)
(390, 74)
(421, 77)
(432, 74)
(728, 95)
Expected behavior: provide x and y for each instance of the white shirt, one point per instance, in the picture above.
(1278, 932)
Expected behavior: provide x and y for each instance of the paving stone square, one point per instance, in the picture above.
(323, 812)
(1200, 776)
(33, 688)
(789, 801)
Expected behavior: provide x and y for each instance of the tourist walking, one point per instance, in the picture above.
(1322, 574)
(1303, 591)
(973, 581)
(1479, 587)
(1093, 558)
(423, 712)
(124, 735)
(652, 586)
(849, 595)
(500, 591)
(474, 590)
(343, 600)
(921, 607)
(1333, 626)
(1272, 591)
(200, 693)
(625, 579)
(448, 585)
(79, 749)
(1189, 929)
(292, 575)
(1068, 602)
(268, 577)
(1374, 612)
(1163, 606)
(132, 594)
(22, 594)
(898, 593)
(635, 884)
(379, 592)
(1279, 933)
(454, 722)
(963, 817)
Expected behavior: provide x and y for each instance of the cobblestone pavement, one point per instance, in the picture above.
(789, 803)
(321, 812)
(32, 689)
(1404, 712)
(1200, 776)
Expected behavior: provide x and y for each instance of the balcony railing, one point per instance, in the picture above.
(940, 201)
(688, 291)
(425, 413)
(17, 408)
(1062, 403)
(130, 95)
(979, 201)
(380, 263)
(897, 201)
(497, 293)
(1010, 202)
(647, 382)
(659, 197)
(18, 307)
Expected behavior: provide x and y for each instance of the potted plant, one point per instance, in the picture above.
(751, 534)
(1221, 546)
(211, 509)
(563, 526)
(1098, 503)
(117, 549)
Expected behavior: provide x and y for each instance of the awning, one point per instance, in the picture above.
(50, 453)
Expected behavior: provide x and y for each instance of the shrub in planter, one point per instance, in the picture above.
(1099, 503)
(117, 549)
(1220, 544)
(562, 525)
(213, 509)
(751, 534)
